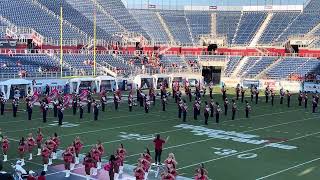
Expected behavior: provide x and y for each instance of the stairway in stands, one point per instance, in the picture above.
(242, 62)
(259, 33)
(166, 28)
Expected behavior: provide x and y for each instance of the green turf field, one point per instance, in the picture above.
(233, 153)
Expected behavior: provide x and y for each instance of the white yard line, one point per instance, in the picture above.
(292, 167)
(208, 139)
(249, 150)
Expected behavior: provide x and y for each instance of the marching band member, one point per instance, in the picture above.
(146, 103)
(67, 158)
(266, 93)
(234, 109)
(60, 114)
(29, 109)
(314, 104)
(152, 95)
(21, 150)
(2, 103)
(15, 104)
(282, 94)
(95, 110)
(31, 143)
(288, 97)
(206, 113)
(78, 147)
(252, 92)
(247, 109)
(180, 104)
(226, 105)
(116, 101)
(103, 101)
(81, 110)
(164, 102)
(224, 93)
(89, 100)
(217, 112)
(121, 155)
(242, 93)
(44, 109)
(238, 91)
(212, 107)
(5, 148)
(45, 153)
(305, 100)
(184, 111)
(55, 107)
(130, 101)
(56, 140)
(256, 91)
(39, 140)
(300, 98)
(74, 104)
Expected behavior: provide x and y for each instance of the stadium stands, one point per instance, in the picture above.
(75, 17)
(276, 26)
(35, 17)
(255, 65)
(151, 25)
(177, 23)
(199, 22)
(170, 60)
(231, 65)
(227, 24)
(248, 26)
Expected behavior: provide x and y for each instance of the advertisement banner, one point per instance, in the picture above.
(250, 83)
(311, 87)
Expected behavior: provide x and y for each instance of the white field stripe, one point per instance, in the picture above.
(249, 150)
(81, 122)
(292, 167)
(208, 139)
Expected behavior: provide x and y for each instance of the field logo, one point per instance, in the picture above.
(233, 136)
(137, 137)
(229, 152)
(64, 124)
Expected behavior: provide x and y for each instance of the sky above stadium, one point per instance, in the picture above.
(180, 3)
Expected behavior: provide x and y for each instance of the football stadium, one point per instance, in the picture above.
(159, 90)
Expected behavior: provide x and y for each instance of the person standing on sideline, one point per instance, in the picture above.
(158, 144)
(272, 97)
(60, 114)
(242, 93)
(282, 93)
(226, 104)
(305, 101)
(218, 111)
(29, 109)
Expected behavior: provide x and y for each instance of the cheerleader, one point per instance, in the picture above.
(206, 113)
(50, 145)
(171, 162)
(100, 147)
(121, 155)
(67, 158)
(72, 150)
(173, 172)
(56, 140)
(145, 166)
(45, 153)
(167, 176)
(139, 172)
(95, 154)
(21, 150)
(5, 148)
(201, 173)
(39, 140)
(88, 163)
(31, 143)
(78, 147)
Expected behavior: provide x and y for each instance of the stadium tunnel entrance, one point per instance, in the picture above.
(212, 73)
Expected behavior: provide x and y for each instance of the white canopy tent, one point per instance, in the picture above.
(107, 83)
(79, 84)
(21, 86)
(144, 81)
(40, 85)
(159, 78)
(194, 80)
(181, 78)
